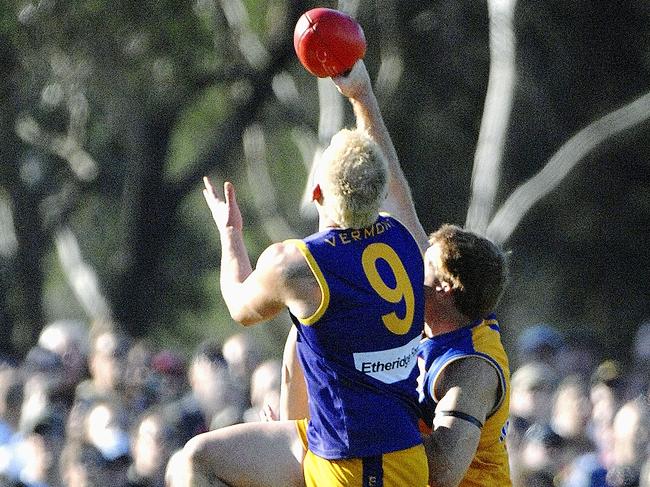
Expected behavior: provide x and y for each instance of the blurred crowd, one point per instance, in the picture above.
(578, 419)
(93, 407)
(86, 409)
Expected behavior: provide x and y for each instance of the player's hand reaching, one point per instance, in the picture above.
(225, 212)
(268, 414)
(355, 84)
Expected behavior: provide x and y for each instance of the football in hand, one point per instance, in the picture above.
(328, 42)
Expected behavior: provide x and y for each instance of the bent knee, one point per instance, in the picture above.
(194, 465)
(195, 451)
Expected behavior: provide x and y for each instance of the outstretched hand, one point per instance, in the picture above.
(355, 84)
(268, 414)
(225, 212)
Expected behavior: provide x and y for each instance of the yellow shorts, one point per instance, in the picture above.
(400, 468)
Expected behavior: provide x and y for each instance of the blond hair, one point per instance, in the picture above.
(353, 179)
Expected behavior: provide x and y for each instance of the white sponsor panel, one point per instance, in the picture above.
(391, 365)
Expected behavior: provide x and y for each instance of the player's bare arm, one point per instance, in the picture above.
(280, 279)
(399, 202)
(293, 392)
(471, 387)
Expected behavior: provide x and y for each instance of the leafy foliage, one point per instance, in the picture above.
(112, 112)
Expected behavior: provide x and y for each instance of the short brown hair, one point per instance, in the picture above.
(473, 266)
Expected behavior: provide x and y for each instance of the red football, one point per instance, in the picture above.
(328, 42)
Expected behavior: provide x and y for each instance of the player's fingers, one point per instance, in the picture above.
(267, 413)
(207, 183)
(209, 196)
(211, 192)
(229, 192)
(355, 70)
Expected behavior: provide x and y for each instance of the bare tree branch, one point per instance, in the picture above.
(8, 239)
(264, 196)
(81, 276)
(330, 120)
(391, 64)
(390, 72)
(55, 208)
(331, 111)
(564, 160)
(227, 135)
(350, 7)
(496, 115)
(285, 90)
(67, 147)
(249, 43)
(69, 78)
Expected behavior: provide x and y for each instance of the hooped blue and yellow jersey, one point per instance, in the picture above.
(358, 350)
(481, 339)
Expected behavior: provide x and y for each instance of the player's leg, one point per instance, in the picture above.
(247, 454)
(178, 473)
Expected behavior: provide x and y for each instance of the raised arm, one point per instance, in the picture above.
(356, 86)
(251, 295)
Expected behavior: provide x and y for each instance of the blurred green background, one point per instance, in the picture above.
(112, 111)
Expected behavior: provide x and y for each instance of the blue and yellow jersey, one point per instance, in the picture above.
(358, 350)
(482, 339)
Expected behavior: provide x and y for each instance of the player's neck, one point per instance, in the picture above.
(325, 223)
(451, 320)
(324, 220)
(439, 328)
(328, 227)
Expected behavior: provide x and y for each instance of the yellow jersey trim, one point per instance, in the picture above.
(492, 360)
(301, 426)
(320, 278)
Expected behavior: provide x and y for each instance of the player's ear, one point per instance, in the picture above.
(317, 194)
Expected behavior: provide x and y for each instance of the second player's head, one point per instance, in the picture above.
(351, 179)
(471, 267)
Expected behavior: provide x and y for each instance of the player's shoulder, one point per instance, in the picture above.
(472, 372)
(280, 254)
(291, 275)
(469, 367)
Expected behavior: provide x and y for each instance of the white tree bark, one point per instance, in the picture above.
(8, 239)
(496, 115)
(330, 120)
(561, 163)
(81, 276)
(263, 191)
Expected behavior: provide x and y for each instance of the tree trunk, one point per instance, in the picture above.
(148, 220)
(496, 115)
(21, 282)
